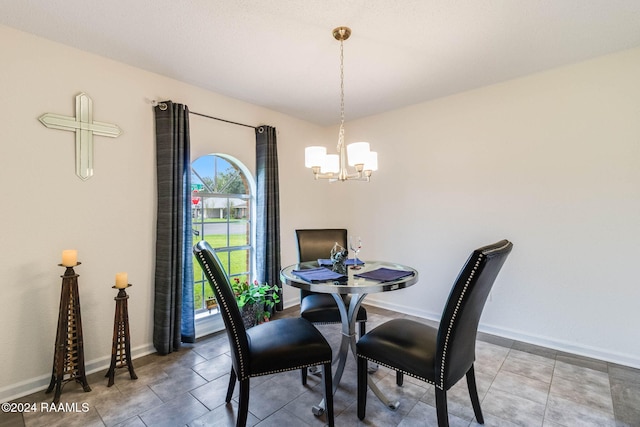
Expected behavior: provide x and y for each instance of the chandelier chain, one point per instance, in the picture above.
(341, 133)
(341, 82)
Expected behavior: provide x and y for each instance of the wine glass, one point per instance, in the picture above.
(355, 244)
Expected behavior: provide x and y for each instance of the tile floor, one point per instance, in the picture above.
(519, 385)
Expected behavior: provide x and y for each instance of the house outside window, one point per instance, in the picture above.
(222, 214)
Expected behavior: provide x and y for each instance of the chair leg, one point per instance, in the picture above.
(303, 375)
(232, 384)
(363, 386)
(441, 408)
(243, 406)
(399, 378)
(328, 392)
(473, 393)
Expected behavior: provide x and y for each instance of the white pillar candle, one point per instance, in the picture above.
(121, 280)
(69, 257)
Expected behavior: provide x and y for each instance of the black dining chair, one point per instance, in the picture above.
(276, 346)
(318, 308)
(439, 356)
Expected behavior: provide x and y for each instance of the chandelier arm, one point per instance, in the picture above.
(356, 176)
(333, 177)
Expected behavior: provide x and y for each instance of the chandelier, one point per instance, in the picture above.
(356, 155)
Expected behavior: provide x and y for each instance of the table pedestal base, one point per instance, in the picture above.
(348, 343)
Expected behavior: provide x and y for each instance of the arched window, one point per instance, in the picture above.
(222, 214)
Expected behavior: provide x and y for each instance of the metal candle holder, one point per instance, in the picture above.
(121, 348)
(68, 359)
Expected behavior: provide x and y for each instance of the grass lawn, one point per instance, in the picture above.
(238, 263)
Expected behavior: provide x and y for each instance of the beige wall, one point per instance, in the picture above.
(110, 218)
(549, 161)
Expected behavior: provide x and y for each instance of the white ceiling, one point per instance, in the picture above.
(280, 54)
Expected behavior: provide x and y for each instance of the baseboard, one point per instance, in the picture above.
(565, 346)
(290, 302)
(33, 385)
(559, 345)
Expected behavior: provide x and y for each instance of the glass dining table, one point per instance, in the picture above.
(377, 276)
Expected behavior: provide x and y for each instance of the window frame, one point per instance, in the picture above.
(202, 312)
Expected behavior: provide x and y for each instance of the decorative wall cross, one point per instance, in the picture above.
(85, 127)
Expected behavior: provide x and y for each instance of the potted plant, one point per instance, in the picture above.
(255, 300)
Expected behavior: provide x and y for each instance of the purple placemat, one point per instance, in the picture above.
(384, 274)
(320, 274)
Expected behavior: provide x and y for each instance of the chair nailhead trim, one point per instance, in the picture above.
(334, 323)
(440, 385)
(325, 323)
(308, 365)
(453, 318)
(399, 370)
(242, 375)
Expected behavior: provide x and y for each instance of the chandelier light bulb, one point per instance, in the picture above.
(314, 156)
(331, 164)
(357, 153)
(371, 162)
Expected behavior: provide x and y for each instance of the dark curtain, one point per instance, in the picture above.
(268, 208)
(173, 316)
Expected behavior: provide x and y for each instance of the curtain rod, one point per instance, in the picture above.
(222, 120)
(163, 107)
